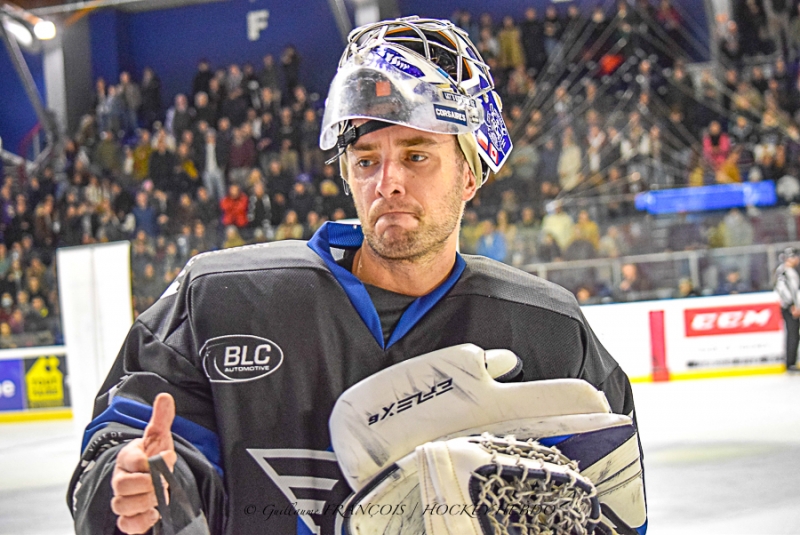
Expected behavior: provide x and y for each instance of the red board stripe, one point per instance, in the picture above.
(658, 346)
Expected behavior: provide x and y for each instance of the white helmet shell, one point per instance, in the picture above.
(420, 73)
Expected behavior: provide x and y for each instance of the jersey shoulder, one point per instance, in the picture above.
(272, 255)
(490, 278)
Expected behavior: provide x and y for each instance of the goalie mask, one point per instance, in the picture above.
(421, 73)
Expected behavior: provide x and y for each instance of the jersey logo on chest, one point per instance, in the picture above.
(239, 358)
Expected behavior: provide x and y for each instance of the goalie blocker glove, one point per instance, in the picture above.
(523, 447)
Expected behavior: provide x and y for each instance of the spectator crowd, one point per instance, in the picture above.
(602, 105)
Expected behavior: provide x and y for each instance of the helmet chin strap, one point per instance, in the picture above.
(350, 135)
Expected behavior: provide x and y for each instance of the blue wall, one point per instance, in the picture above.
(171, 41)
(17, 116)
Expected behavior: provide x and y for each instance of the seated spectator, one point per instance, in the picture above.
(559, 224)
(612, 244)
(7, 340)
(148, 288)
(584, 296)
(17, 321)
(586, 229)
(733, 284)
(38, 319)
(505, 227)
(736, 230)
(686, 289)
(470, 232)
(200, 241)
(523, 249)
(313, 223)
(234, 207)
(290, 229)
(632, 283)
(492, 243)
(301, 200)
(716, 145)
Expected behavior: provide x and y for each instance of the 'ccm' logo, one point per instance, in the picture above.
(240, 357)
(732, 320)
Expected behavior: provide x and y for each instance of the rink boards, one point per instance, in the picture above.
(690, 338)
(652, 340)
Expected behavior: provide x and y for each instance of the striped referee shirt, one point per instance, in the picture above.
(787, 285)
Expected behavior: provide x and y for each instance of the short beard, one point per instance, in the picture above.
(424, 242)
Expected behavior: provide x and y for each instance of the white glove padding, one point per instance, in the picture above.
(377, 424)
(485, 486)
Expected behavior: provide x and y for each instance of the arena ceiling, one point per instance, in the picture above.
(54, 7)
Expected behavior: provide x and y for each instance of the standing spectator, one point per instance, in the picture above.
(141, 156)
(187, 177)
(470, 232)
(290, 62)
(332, 198)
(587, 230)
(132, 97)
(213, 161)
(234, 107)
(268, 77)
(532, 36)
(108, 154)
(287, 128)
(301, 200)
(569, 162)
(259, 210)
(207, 208)
(21, 222)
(528, 234)
(550, 156)
(146, 215)
(179, 117)
(200, 82)
(309, 149)
(242, 157)
(162, 166)
(716, 145)
(787, 286)
(279, 180)
(234, 207)
(511, 52)
(204, 110)
(150, 110)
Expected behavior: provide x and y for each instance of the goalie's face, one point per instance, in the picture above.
(409, 188)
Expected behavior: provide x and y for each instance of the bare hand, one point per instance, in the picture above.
(134, 496)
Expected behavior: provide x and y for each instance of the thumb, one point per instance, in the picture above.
(157, 435)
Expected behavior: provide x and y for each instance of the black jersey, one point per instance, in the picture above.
(257, 343)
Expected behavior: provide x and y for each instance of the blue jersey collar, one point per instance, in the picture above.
(349, 236)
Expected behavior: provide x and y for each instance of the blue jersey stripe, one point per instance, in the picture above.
(349, 236)
(134, 414)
